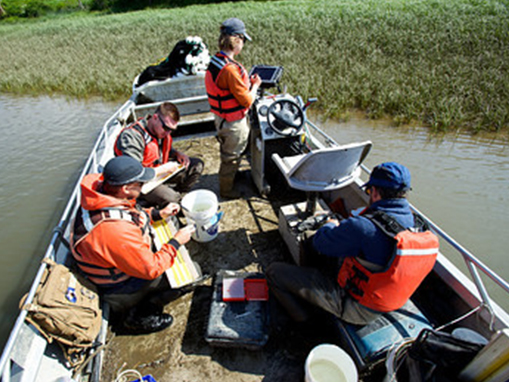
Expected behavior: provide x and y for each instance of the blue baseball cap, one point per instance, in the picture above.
(124, 170)
(234, 26)
(390, 175)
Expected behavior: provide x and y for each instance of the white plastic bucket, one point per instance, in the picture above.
(200, 208)
(330, 363)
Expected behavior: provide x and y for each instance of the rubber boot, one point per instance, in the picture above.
(144, 319)
(226, 188)
(190, 177)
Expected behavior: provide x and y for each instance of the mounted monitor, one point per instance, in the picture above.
(270, 75)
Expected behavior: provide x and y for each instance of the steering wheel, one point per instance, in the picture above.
(285, 117)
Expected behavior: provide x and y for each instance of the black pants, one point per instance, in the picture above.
(151, 298)
(296, 288)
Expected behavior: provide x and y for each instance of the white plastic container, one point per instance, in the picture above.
(330, 363)
(200, 208)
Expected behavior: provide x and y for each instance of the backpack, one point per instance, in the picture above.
(66, 308)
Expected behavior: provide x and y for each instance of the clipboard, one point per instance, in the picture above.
(149, 186)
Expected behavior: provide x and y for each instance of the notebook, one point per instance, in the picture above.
(183, 271)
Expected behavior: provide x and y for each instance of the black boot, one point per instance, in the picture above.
(144, 323)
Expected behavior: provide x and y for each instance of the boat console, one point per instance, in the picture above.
(277, 124)
(282, 160)
(276, 127)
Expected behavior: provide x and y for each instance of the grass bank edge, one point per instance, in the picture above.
(436, 62)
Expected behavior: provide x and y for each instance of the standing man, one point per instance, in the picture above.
(231, 93)
(383, 255)
(112, 244)
(149, 141)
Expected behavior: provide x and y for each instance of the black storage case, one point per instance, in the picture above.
(236, 324)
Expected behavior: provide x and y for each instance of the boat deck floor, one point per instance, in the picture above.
(248, 240)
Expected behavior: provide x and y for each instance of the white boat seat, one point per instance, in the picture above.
(369, 344)
(325, 169)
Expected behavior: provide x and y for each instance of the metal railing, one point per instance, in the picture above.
(472, 262)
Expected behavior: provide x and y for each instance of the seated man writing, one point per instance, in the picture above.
(149, 141)
(112, 245)
(379, 266)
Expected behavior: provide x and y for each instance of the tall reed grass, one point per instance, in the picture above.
(441, 62)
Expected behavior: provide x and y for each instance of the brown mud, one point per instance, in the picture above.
(248, 240)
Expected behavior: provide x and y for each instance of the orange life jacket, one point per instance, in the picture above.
(413, 258)
(222, 102)
(153, 154)
(85, 223)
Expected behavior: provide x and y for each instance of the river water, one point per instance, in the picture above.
(460, 182)
(44, 145)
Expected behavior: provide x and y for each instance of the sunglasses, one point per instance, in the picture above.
(164, 125)
(241, 36)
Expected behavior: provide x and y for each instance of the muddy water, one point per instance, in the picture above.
(460, 182)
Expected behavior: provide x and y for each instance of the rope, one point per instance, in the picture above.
(128, 375)
(469, 313)
(393, 355)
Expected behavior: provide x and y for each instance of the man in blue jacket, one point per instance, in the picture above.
(296, 287)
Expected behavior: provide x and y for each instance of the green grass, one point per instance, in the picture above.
(14, 9)
(440, 62)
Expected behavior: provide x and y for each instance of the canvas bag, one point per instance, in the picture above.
(66, 308)
(437, 356)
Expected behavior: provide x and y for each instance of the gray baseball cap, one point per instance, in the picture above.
(124, 170)
(234, 26)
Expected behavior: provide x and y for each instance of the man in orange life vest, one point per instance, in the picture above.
(149, 141)
(231, 93)
(113, 247)
(379, 266)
